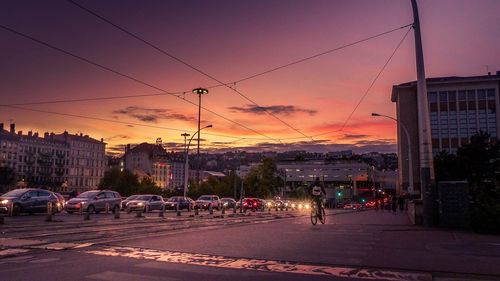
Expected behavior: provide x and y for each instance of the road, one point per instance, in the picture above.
(365, 245)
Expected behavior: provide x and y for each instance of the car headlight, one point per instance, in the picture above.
(268, 204)
(140, 204)
(5, 201)
(301, 206)
(83, 202)
(286, 204)
(293, 205)
(307, 206)
(58, 204)
(225, 204)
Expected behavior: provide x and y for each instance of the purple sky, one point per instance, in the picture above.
(231, 40)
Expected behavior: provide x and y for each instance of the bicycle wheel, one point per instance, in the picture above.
(314, 215)
(323, 216)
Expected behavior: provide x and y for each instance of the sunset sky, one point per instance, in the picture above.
(231, 40)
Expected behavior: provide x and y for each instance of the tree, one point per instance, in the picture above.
(148, 186)
(478, 162)
(447, 167)
(262, 181)
(7, 177)
(125, 183)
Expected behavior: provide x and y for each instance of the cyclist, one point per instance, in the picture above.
(317, 192)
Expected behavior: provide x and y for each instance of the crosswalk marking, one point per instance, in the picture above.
(259, 264)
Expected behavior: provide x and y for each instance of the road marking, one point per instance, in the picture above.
(112, 276)
(259, 264)
(10, 252)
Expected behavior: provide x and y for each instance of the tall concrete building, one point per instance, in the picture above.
(459, 107)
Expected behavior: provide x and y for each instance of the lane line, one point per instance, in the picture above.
(259, 264)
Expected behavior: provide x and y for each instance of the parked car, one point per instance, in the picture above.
(61, 202)
(145, 203)
(279, 204)
(94, 201)
(354, 206)
(28, 200)
(205, 201)
(184, 203)
(126, 200)
(228, 203)
(253, 204)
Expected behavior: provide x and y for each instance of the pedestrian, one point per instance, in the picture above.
(72, 194)
(401, 203)
(394, 203)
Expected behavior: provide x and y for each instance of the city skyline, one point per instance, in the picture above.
(230, 41)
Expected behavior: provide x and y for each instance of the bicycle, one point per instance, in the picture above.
(317, 213)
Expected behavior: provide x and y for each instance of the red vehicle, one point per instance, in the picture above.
(370, 204)
(253, 204)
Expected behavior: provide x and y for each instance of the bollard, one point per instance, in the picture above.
(210, 209)
(117, 212)
(196, 211)
(138, 214)
(86, 216)
(49, 212)
(162, 211)
(234, 209)
(106, 208)
(178, 209)
(10, 210)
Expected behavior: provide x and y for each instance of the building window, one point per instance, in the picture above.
(432, 97)
(443, 97)
(491, 94)
(471, 95)
(452, 96)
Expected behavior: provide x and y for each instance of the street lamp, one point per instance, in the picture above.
(199, 92)
(186, 170)
(410, 162)
(185, 135)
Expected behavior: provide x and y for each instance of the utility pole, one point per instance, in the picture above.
(199, 92)
(427, 184)
(234, 185)
(185, 135)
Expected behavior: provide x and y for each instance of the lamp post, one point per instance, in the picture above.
(185, 135)
(199, 92)
(186, 169)
(408, 142)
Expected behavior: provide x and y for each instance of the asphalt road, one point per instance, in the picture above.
(351, 246)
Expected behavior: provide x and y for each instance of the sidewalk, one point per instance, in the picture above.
(405, 246)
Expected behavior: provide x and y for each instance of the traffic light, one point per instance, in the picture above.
(339, 194)
(363, 200)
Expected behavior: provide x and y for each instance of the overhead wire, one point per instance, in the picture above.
(369, 87)
(184, 63)
(218, 85)
(127, 76)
